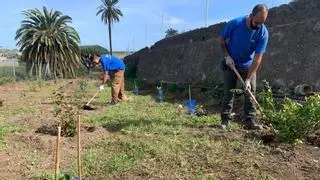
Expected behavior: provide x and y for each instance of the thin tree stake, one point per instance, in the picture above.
(58, 154)
(79, 148)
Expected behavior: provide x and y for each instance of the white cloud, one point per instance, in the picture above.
(173, 21)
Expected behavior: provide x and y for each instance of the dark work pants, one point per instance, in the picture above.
(230, 82)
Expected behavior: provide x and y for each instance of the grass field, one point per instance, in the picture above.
(138, 139)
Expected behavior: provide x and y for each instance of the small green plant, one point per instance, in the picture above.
(200, 111)
(65, 114)
(237, 91)
(292, 120)
(84, 86)
(269, 105)
(62, 176)
(45, 176)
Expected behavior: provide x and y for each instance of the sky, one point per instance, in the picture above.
(144, 21)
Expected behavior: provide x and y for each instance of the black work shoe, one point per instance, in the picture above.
(251, 124)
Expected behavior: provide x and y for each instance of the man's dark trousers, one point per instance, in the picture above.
(230, 82)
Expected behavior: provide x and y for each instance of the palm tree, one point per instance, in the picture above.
(171, 32)
(46, 40)
(109, 14)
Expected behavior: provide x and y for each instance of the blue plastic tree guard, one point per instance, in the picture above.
(160, 96)
(190, 106)
(136, 90)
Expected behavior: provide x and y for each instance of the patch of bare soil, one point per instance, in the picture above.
(52, 130)
(10, 165)
(292, 162)
(281, 161)
(266, 135)
(314, 139)
(35, 153)
(32, 152)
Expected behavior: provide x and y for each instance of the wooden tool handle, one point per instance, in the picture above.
(238, 75)
(247, 91)
(93, 97)
(189, 93)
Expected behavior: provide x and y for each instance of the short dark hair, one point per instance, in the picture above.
(259, 8)
(91, 56)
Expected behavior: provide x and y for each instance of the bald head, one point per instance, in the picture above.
(258, 9)
(258, 16)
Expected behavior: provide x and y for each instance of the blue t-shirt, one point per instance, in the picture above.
(243, 42)
(111, 63)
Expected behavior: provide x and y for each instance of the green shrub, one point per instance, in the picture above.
(268, 104)
(7, 72)
(292, 120)
(6, 80)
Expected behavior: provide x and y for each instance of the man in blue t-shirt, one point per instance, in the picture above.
(243, 41)
(115, 66)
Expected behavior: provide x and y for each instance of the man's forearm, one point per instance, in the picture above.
(255, 66)
(224, 47)
(105, 77)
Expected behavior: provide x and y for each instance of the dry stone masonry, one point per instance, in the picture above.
(292, 58)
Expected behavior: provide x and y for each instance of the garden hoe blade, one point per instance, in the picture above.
(87, 106)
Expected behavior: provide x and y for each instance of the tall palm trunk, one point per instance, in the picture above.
(37, 71)
(40, 70)
(110, 40)
(47, 71)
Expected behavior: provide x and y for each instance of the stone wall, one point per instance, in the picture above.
(292, 58)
